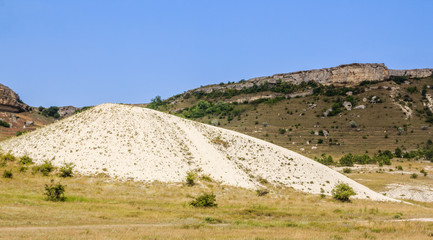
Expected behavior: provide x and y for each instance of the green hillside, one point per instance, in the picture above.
(279, 113)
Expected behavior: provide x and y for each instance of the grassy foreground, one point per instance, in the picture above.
(101, 208)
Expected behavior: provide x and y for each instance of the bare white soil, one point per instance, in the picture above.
(141, 144)
(417, 193)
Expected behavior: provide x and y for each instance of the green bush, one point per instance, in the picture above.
(19, 133)
(325, 160)
(66, 170)
(347, 160)
(4, 124)
(282, 130)
(25, 160)
(347, 170)
(398, 153)
(212, 220)
(52, 111)
(204, 200)
(342, 192)
(8, 157)
(55, 192)
(190, 178)
(7, 174)
(413, 175)
(44, 168)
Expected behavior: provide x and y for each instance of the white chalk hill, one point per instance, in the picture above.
(136, 143)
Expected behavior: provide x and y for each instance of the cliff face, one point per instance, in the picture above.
(413, 73)
(10, 101)
(349, 75)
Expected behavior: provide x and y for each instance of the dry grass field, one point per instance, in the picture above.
(102, 208)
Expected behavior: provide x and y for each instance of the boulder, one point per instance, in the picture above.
(347, 105)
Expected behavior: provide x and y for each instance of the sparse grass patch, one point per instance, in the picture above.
(262, 192)
(206, 178)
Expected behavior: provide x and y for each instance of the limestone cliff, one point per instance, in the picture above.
(348, 75)
(10, 101)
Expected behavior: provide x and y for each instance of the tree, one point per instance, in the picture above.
(342, 192)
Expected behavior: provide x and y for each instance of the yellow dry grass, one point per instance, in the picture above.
(101, 208)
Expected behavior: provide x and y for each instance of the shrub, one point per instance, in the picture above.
(55, 192)
(205, 200)
(382, 159)
(45, 168)
(347, 170)
(19, 133)
(25, 160)
(353, 124)
(190, 178)
(4, 124)
(347, 160)
(7, 174)
(342, 192)
(282, 130)
(325, 160)
(398, 153)
(66, 170)
(206, 178)
(413, 175)
(52, 111)
(262, 192)
(400, 168)
(8, 157)
(212, 220)
(423, 172)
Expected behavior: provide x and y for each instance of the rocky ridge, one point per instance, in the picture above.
(348, 74)
(10, 101)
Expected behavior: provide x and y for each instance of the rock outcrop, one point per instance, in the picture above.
(67, 111)
(348, 75)
(10, 101)
(413, 73)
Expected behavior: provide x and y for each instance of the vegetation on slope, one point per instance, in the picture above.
(298, 123)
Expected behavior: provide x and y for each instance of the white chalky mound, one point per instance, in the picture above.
(136, 143)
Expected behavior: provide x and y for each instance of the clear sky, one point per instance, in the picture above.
(87, 52)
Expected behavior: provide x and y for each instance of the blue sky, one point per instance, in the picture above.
(81, 52)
